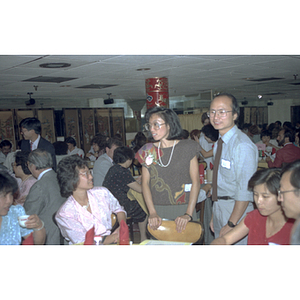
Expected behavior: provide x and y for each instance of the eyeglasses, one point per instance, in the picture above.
(222, 113)
(155, 125)
(281, 193)
(86, 173)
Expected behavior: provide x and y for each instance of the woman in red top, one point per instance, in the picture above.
(266, 225)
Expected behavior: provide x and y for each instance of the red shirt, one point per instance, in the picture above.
(257, 230)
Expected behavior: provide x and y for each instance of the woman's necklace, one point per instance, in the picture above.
(170, 155)
(27, 178)
(86, 206)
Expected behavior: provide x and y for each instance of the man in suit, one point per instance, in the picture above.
(44, 198)
(288, 153)
(31, 130)
(105, 161)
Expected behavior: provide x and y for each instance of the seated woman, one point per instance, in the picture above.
(119, 181)
(87, 206)
(21, 171)
(267, 224)
(11, 233)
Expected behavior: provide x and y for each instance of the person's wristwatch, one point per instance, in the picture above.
(230, 224)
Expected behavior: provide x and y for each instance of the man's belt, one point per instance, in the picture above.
(225, 198)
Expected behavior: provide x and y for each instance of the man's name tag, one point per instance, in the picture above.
(225, 163)
(187, 187)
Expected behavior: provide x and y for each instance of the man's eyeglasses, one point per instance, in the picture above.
(281, 193)
(222, 113)
(155, 125)
(86, 173)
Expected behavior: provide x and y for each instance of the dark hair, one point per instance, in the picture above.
(210, 132)
(8, 184)
(265, 133)
(122, 154)
(21, 159)
(113, 141)
(61, 148)
(289, 134)
(185, 134)
(294, 168)
(41, 158)
(70, 140)
(68, 174)
(100, 140)
(169, 117)
(288, 125)
(278, 122)
(270, 177)
(139, 141)
(31, 123)
(253, 129)
(5, 143)
(234, 104)
(194, 132)
(204, 117)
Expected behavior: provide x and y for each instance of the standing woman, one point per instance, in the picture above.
(170, 171)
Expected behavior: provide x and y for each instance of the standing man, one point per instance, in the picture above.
(105, 161)
(237, 163)
(5, 147)
(31, 130)
(289, 196)
(288, 153)
(44, 198)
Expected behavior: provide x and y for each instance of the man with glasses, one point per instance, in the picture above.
(237, 163)
(289, 196)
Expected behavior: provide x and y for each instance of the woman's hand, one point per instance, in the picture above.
(154, 221)
(33, 222)
(113, 238)
(181, 222)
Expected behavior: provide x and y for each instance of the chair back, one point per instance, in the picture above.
(193, 232)
(114, 222)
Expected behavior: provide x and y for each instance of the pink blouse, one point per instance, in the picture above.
(74, 220)
(24, 188)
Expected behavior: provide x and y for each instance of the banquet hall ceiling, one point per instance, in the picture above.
(85, 77)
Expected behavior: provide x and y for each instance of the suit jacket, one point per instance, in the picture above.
(287, 154)
(43, 144)
(44, 200)
(101, 167)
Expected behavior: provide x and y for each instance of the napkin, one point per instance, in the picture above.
(28, 240)
(273, 151)
(211, 166)
(89, 237)
(201, 170)
(123, 233)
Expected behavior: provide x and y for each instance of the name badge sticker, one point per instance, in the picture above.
(187, 187)
(225, 163)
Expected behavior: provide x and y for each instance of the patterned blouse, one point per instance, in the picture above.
(167, 184)
(11, 232)
(74, 221)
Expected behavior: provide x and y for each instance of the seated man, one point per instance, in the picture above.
(288, 153)
(105, 161)
(44, 198)
(119, 181)
(289, 196)
(72, 148)
(5, 147)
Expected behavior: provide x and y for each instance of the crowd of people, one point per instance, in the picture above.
(62, 198)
